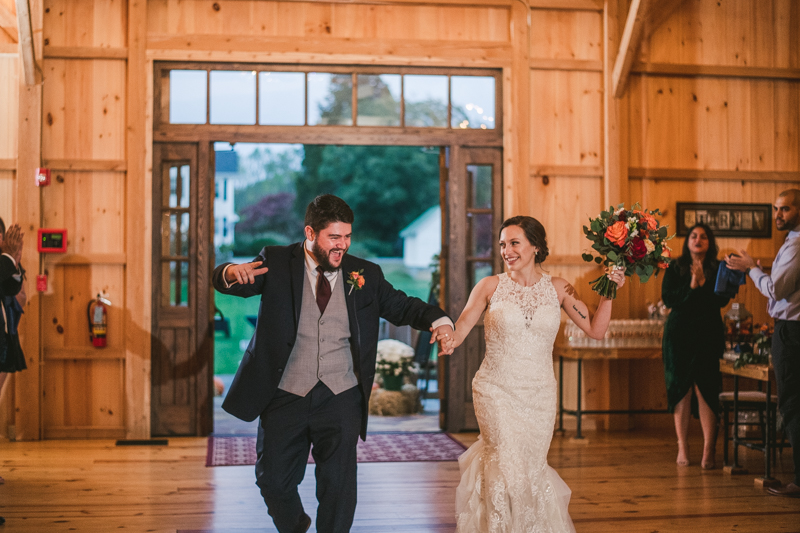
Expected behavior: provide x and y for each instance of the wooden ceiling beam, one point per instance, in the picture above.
(8, 23)
(26, 42)
(632, 36)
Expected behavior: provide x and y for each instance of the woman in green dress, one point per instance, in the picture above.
(694, 339)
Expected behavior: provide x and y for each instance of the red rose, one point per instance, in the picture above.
(638, 250)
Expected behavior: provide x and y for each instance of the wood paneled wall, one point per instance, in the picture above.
(711, 113)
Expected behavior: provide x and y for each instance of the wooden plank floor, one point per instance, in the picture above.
(621, 482)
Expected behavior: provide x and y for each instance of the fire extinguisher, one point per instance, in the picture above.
(98, 321)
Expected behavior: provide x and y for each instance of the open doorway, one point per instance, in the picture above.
(260, 195)
(349, 109)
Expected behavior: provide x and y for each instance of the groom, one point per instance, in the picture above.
(308, 370)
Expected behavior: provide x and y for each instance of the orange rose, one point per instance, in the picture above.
(663, 265)
(617, 233)
(360, 281)
(665, 252)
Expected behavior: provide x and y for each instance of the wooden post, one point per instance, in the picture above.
(517, 116)
(138, 296)
(28, 384)
(613, 377)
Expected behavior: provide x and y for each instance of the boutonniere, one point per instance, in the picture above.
(355, 280)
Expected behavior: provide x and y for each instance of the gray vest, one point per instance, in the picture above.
(322, 349)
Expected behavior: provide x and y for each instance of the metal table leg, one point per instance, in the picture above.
(578, 412)
(560, 394)
(736, 421)
(768, 436)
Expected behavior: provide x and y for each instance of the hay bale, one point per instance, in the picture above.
(395, 403)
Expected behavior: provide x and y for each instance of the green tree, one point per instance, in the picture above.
(387, 187)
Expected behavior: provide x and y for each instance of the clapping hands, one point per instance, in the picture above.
(11, 243)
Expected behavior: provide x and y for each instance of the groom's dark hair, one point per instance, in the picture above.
(326, 209)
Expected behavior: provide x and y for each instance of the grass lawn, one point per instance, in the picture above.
(227, 351)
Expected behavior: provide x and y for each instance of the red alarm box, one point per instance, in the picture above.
(52, 241)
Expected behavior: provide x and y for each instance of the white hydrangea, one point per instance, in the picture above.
(394, 351)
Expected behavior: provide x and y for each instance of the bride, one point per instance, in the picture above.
(506, 484)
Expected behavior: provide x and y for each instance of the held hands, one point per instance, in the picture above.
(12, 242)
(741, 261)
(698, 276)
(445, 336)
(245, 273)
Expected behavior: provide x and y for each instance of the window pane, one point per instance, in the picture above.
(177, 195)
(481, 235)
(473, 99)
(426, 101)
(379, 100)
(282, 98)
(478, 271)
(187, 96)
(233, 97)
(480, 186)
(178, 235)
(175, 283)
(330, 99)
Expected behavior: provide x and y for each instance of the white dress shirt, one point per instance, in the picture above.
(782, 285)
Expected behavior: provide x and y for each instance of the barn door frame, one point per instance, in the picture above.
(471, 251)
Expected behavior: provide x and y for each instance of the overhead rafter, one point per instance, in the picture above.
(644, 16)
(26, 42)
(8, 23)
(629, 45)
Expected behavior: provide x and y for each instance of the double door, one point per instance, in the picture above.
(183, 258)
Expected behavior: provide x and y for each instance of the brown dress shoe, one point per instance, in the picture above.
(790, 491)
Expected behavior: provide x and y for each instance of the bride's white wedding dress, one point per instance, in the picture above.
(506, 484)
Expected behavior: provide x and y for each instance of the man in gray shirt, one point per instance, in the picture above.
(782, 288)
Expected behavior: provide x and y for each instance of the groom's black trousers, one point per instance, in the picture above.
(288, 427)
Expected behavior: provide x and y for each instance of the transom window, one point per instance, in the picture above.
(281, 95)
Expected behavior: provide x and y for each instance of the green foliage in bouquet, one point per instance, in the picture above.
(632, 239)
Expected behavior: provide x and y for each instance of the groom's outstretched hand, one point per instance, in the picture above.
(445, 336)
(245, 273)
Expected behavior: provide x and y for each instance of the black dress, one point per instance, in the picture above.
(11, 357)
(694, 337)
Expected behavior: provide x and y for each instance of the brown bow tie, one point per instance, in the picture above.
(323, 290)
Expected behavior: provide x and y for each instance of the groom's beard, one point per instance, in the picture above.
(322, 257)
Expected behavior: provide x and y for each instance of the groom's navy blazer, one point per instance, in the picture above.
(281, 292)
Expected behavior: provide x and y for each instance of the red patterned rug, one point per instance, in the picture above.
(378, 448)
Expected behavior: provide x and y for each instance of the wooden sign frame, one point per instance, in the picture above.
(753, 221)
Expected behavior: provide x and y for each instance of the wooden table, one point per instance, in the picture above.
(592, 353)
(759, 373)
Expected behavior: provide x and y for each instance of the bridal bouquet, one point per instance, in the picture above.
(631, 239)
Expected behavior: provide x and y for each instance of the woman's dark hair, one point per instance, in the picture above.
(327, 209)
(2, 228)
(534, 232)
(710, 261)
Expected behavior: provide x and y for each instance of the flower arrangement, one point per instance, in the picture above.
(355, 280)
(395, 361)
(631, 239)
(761, 349)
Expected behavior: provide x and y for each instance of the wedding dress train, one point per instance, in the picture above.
(506, 484)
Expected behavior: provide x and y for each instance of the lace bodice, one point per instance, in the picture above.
(506, 484)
